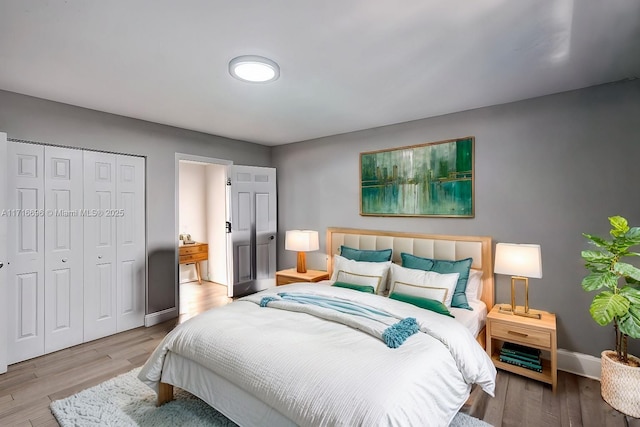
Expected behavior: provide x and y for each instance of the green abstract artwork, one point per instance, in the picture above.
(434, 179)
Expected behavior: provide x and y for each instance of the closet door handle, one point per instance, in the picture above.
(99, 256)
(64, 260)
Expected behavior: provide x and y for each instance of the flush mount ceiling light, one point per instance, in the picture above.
(254, 69)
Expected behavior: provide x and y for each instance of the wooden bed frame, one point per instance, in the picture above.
(426, 245)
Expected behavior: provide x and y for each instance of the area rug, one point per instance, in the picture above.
(126, 401)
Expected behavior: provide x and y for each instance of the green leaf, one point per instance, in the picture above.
(606, 306)
(597, 256)
(633, 235)
(632, 294)
(598, 241)
(619, 226)
(595, 281)
(630, 324)
(627, 270)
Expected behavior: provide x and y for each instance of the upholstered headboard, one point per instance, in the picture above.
(424, 245)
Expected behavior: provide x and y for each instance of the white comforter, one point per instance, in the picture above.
(322, 373)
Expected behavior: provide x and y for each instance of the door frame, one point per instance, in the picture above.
(176, 234)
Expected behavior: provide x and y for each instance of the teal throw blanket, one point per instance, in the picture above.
(393, 336)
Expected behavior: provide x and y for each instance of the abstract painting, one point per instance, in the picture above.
(434, 179)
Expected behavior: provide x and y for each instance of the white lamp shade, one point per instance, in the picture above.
(518, 260)
(301, 240)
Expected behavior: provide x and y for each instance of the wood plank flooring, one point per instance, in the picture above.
(28, 388)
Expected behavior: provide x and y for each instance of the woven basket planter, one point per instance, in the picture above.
(620, 385)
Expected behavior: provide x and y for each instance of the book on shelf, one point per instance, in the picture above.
(524, 358)
(521, 349)
(522, 363)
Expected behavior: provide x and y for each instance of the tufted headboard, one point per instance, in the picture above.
(424, 245)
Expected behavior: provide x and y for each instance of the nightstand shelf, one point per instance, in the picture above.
(535, 333)
(284, 277)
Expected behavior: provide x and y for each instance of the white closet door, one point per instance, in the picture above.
(25, 270)
(3, 255)
(63, 290)
(130, 225)
(100, 292)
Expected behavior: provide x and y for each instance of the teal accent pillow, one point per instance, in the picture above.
(426, 303)
(368, 255)
(361, 288)
(461, 267)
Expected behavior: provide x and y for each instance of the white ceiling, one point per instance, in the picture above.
(345, 65)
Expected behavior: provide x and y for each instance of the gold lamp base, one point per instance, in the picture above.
(519, 311)
(512, 309)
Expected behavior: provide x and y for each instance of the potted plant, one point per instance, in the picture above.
(618, 302)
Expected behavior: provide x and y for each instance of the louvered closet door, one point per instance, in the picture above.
(130, 225)
(25, 271)
(100, 312)
(63, 289)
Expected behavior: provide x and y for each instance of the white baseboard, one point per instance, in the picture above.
(160, 316)
(579, 364)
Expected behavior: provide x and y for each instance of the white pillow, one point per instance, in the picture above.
(368, 273)
(424, 284)
(474, 285)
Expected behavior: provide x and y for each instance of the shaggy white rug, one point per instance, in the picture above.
(126, 401)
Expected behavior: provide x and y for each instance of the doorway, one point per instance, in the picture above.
(201, 218)
(226, 215)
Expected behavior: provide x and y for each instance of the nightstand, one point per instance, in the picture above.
(536, 333)
(284, 277)
(193, 253)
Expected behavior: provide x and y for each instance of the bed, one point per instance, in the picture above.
(264, 360)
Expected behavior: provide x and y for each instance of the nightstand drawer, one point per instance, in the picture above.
(521, 335)
(184, 259)
(193, 249)
(284, 280)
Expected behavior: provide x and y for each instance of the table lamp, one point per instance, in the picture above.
(521, 261)
(301, 241)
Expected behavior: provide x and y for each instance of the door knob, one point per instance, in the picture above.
(99, 256)
(1, 264)
(64, 260)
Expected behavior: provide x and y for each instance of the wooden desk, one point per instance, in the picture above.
(193, 254)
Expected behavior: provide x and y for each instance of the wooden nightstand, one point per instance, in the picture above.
(536, 333)
(193, 253)
(284, 277)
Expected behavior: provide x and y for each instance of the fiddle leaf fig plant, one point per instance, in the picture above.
(619, 299)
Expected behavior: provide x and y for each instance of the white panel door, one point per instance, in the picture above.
(253, 228)
(100, 302)
(3, 254)
(25, 269)
(63, 290)
(131, 248)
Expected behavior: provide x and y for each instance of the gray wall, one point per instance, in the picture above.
(33, 119)
(546, 170)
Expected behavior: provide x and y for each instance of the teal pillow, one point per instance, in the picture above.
(367, 255)
(461, 267)
(361, 288)
(426, 303)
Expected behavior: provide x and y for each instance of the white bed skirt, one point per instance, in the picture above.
(236, 404)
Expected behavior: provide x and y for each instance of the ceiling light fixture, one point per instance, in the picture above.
(254, 69)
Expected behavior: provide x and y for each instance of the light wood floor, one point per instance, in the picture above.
(28, 388)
